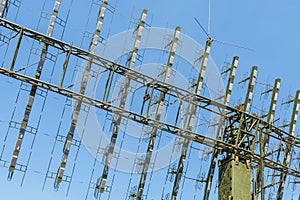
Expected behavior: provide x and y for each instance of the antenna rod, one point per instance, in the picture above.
(247, 103)
(158, 115)
(289, 146)
(203, 29)
(214, 155)
(78, 104)
(209, 13)
(264, 142)
(222, 42)
(32, 92)
(249, 95)
(190, 120)
(123, 93)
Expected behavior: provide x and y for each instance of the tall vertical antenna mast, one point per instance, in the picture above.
(249, 94)
(124, 92)
(160, 103)
(220, 129)
(289, 149)
(265, 142)
(191, 119)
(272, 111)
(193, 111)
(237, 162)
(32, 93)
(78, 104)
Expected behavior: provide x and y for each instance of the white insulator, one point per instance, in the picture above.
(235, 64)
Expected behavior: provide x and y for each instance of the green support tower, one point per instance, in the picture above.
(232, 176)
(234, 169)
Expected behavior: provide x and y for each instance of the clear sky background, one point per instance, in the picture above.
(270, 28)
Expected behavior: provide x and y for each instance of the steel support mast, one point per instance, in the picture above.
(78, 104)
(191, 114)
(159, 109)
(290, 146)
(231, 168)
(32, 91)
(214, 155)
(264, 142)
(124, 91)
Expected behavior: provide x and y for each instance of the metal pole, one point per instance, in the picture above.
(78, 104)
(190, 120)
(214, 155)
(158, 115)
(32, 94)
(123, 93)
(264, 141)
(16, 51)
(65, 65)
(289, 147)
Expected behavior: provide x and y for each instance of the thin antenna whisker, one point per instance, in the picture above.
(234, 45)
(209, 13)
(203, 29)
(208, 30)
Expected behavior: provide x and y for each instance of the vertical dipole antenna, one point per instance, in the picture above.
(158, 115)
(214, 156)
(78, 104)
(32, 93)
(190, 120)
(272, 111)
(289, 146)
(123, 93)
(265, 142)
(230, 168)
(249, 94)
(247, 103)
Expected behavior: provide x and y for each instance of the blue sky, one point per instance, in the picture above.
(268, 27)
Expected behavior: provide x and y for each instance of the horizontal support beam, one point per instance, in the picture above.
(196, 137)
(180, 93)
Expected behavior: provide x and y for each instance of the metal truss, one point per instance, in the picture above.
(241, 127)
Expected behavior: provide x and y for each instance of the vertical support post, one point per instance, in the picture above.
(149, 101)
(264, 143)
(108, 85)
(123, 93)
(16, 51)
(272, 111)
(78, 104)
(203, 65)
(214, 156)
(158, 115)
(289, 147)
(65, 67)
(249, 94)
(32, 95)
(247, 103)
(190, 120)
(231, 186)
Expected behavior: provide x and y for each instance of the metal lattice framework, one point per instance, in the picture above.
(242, 136)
